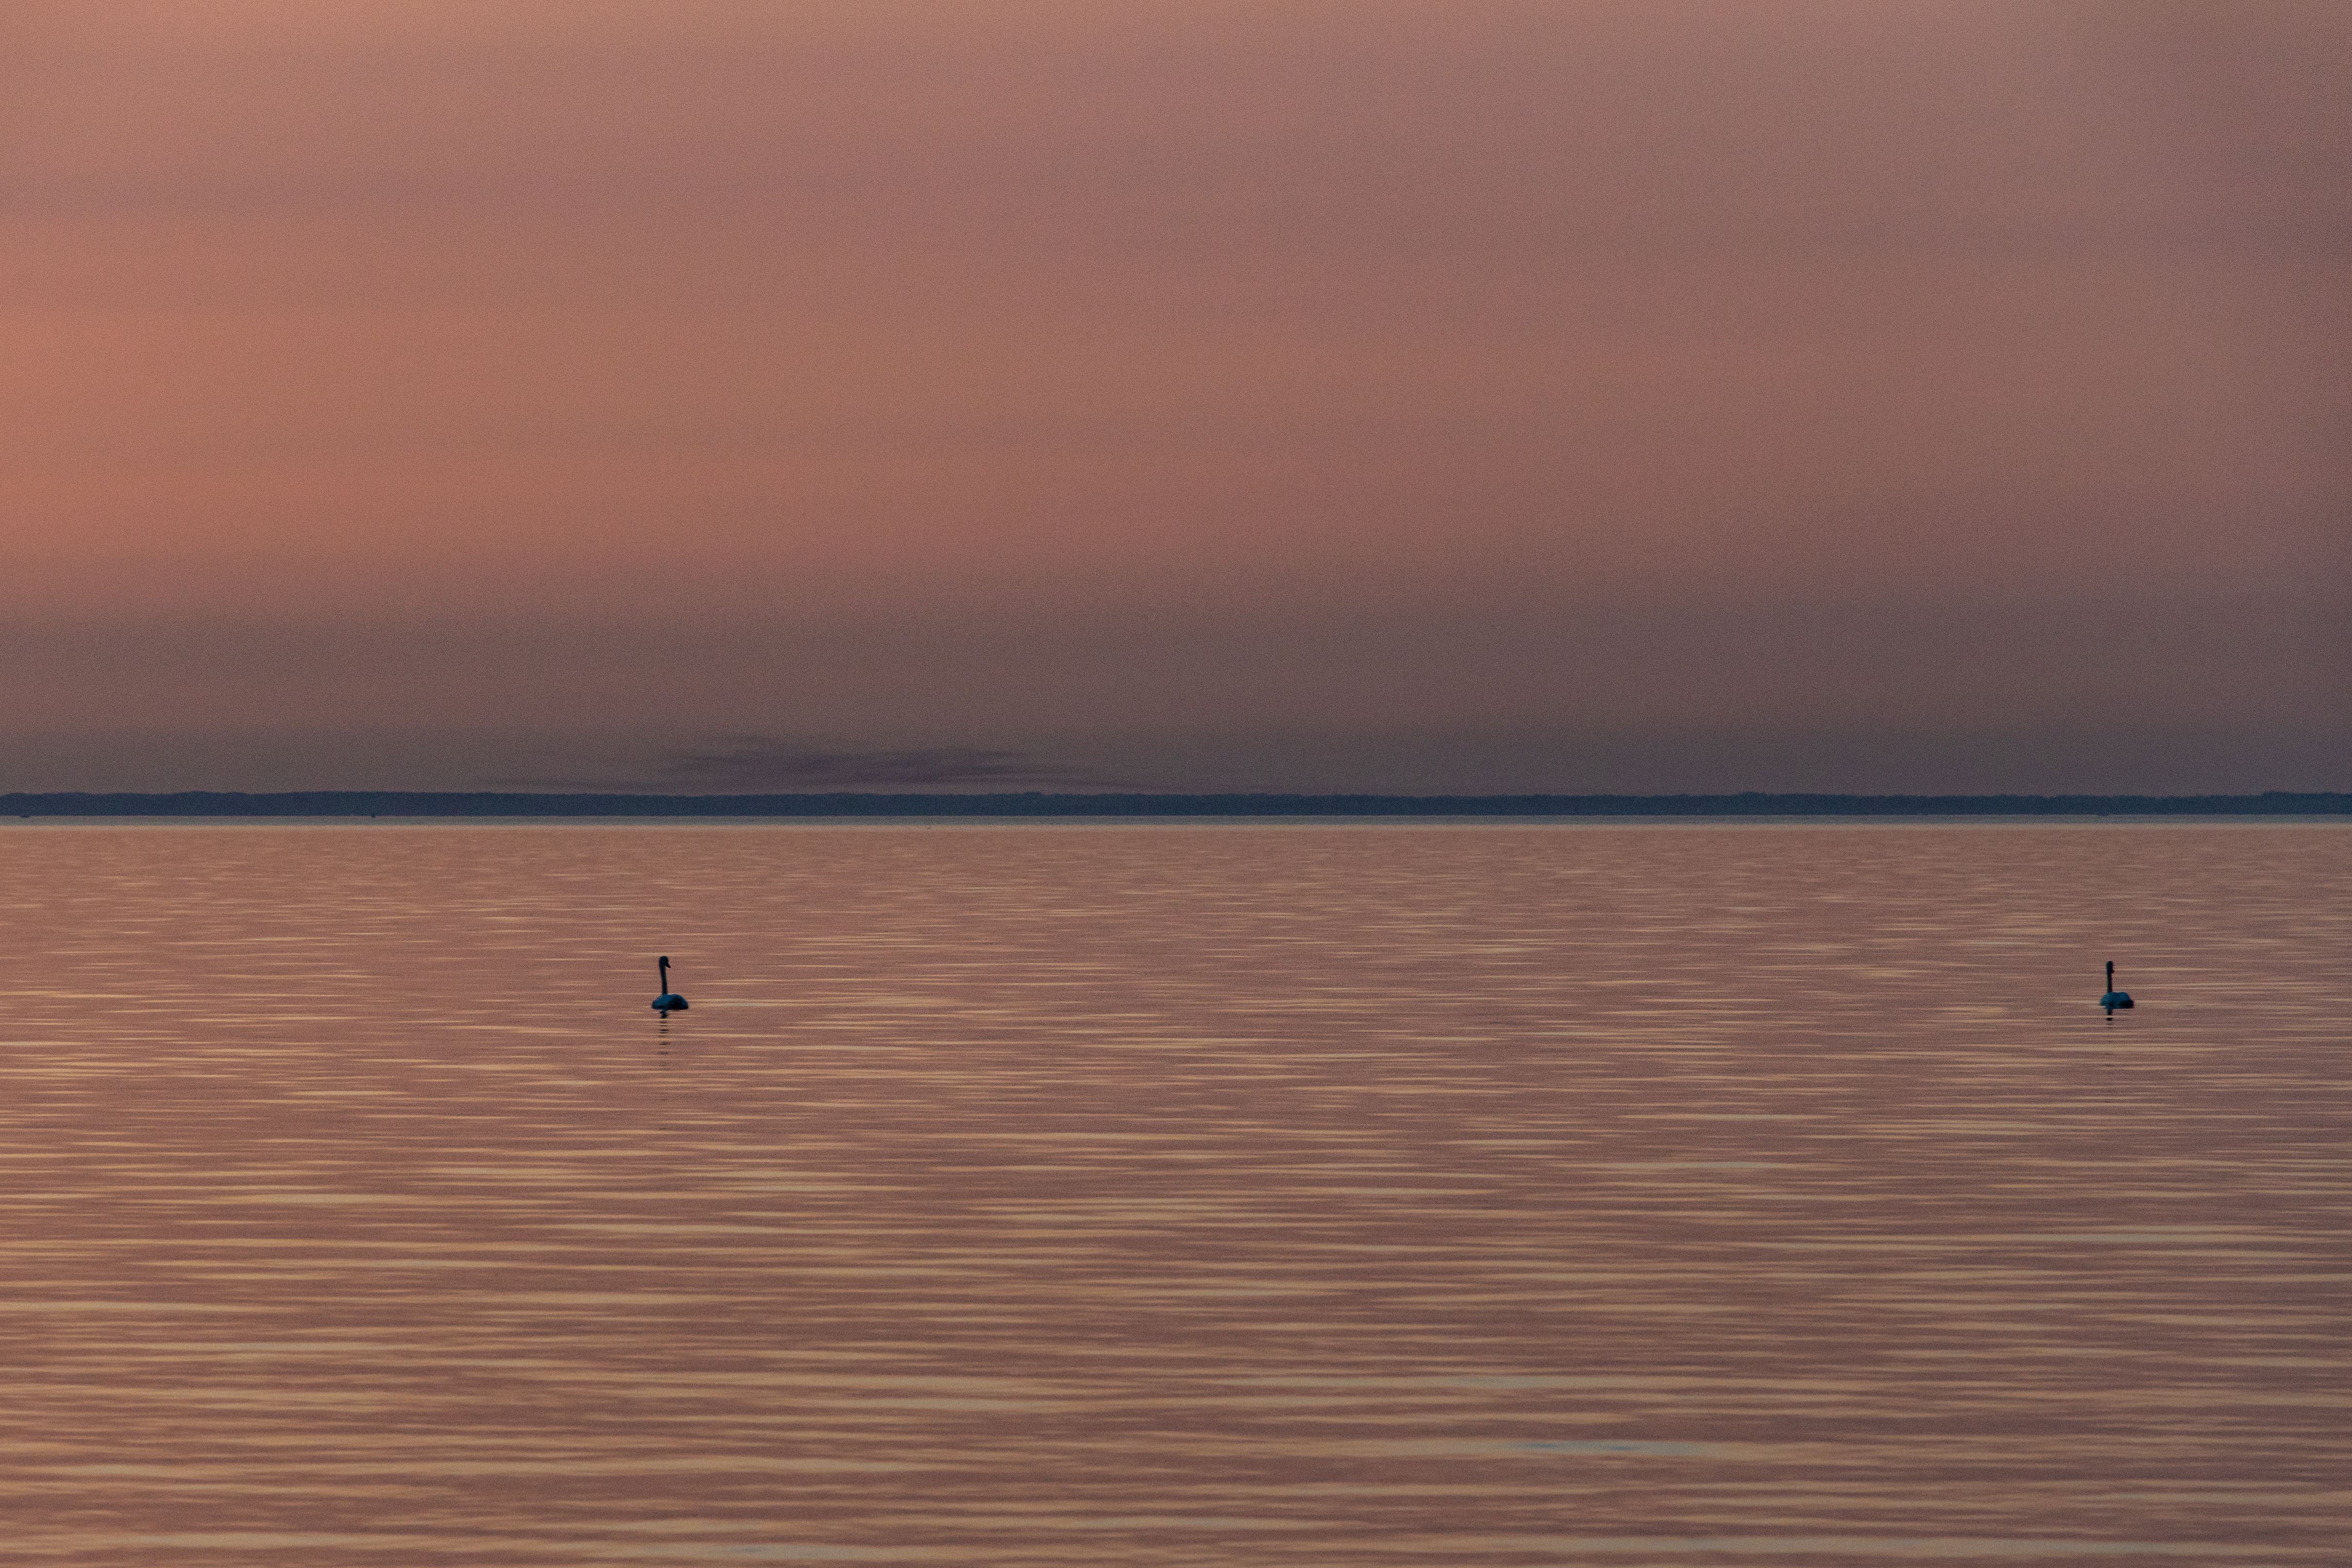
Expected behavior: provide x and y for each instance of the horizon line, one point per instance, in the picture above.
(365, 803)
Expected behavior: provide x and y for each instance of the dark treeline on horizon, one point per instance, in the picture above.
(346, 803)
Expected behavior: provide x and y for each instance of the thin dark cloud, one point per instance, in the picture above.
(755, 764)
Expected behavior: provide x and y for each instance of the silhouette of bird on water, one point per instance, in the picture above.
(670, 1002)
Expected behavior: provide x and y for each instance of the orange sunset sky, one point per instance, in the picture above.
(1371, 394)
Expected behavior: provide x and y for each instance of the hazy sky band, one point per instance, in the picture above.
(1252, 395)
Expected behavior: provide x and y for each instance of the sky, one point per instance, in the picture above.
(1424, 395)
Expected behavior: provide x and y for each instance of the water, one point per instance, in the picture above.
(1195, 1195)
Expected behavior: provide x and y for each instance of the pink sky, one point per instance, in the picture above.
(1390, 395)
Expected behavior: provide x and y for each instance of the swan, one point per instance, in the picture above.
(670, 1001)
(2111, 1001)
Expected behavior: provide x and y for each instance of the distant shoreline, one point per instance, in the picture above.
(1033, 804)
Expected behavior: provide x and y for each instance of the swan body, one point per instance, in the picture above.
(2114, 998)
(670, 1002)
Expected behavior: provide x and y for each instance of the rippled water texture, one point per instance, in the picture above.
(1266, 1194)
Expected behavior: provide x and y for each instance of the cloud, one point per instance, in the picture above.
(755, 763)
(752, 764)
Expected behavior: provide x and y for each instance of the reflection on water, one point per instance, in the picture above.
(1216, 1196)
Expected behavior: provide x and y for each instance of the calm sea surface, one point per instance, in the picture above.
(1269, 1195)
